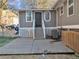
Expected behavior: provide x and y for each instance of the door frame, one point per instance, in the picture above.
(57, 18)
(41, 16)
(35, 19)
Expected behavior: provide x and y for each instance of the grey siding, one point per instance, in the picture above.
(77, 3)
(22, 20)
(23, 23)
(26, 33)
(51, 23)
(71, 20)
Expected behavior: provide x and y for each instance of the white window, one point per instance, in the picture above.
(28, 16)
(47, 16)
(70, 7)
(61, 10)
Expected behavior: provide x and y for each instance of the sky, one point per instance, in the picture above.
(18, 4)
(28, 4)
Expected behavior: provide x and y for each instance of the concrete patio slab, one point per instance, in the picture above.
(30, 46)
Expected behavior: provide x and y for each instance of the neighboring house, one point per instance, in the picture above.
(37, 22)
(40, 23)
(67, 12)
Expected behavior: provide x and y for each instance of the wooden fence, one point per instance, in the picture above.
(71, 39)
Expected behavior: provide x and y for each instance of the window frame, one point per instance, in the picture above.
(48, 16)
(31, 16)
(68, 6)
(61, 10)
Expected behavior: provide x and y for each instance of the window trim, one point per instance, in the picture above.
(31, 16)
(49, 16)
(68, 6)
(60, 10)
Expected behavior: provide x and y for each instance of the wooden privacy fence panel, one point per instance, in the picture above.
(71, 39)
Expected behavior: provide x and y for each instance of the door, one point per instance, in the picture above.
(38, 26)
(38, 19)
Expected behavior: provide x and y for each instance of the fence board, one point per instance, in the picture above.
(71, 39)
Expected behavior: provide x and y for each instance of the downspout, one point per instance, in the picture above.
(43, 26)
(33, 25)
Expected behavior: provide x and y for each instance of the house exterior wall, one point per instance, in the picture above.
(23, 23)
(26, 28)
(67, 20)
(52, 22)
(77, 3)
(22, 20)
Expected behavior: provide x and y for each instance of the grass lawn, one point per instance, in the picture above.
(5, 40)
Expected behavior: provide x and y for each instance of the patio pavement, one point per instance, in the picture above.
(30, 46)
